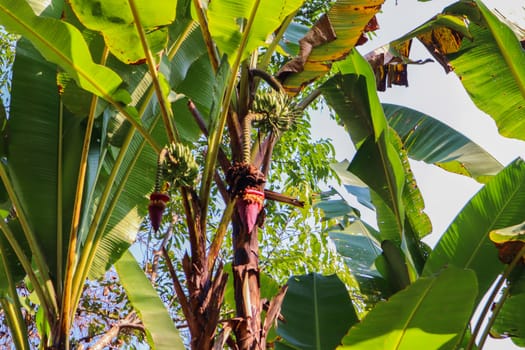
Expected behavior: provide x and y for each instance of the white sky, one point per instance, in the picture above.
(443, 97)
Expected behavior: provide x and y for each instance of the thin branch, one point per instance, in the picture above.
(10, 303)
(279, 197)
(486, 309)
(309, 99)
(221, 186)
(192, 212)
(157, 253)
(130, 321)
(274, 83)
(268, 151)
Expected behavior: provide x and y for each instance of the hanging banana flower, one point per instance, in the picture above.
(176, 167)
(246, 183)
(273, 112)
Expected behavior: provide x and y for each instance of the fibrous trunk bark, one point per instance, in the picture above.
(247, 287)
(247, 186)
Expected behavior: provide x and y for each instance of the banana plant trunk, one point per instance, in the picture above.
(247, 186)
(247, 287)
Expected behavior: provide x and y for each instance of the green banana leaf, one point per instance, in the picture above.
(493, 62)
(433, 142)
(289, 44)
(160, 329)
(47, 167)
(63, 44)
(418, 220)
(380, 158)
(358, 85)
(113, 19)
(466, 242)
(240, 27)
(333, 208)
(429, 314)
(484, 53)
(189, 65)
(509, 322)
(318, 311)
(357, 243)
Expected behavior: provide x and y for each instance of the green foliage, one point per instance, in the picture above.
(87, 120)
(317, 311)
(160, 329)
(427, 139)
(466, 242)
(432, 313)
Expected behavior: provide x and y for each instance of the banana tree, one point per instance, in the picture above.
(125, 93)
(86, 146)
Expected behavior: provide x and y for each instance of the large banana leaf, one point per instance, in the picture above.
(379, 149)
(63, 44)
(318, 312)
(380, 160)
(239, 27)
(116, 21)
(40, 169)
(496, 49)
(353, 97)
(160, 330)
(433, 142)
(429, 314)
(466, 242)
(370, 160)
(485, 54)
(330, 40)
